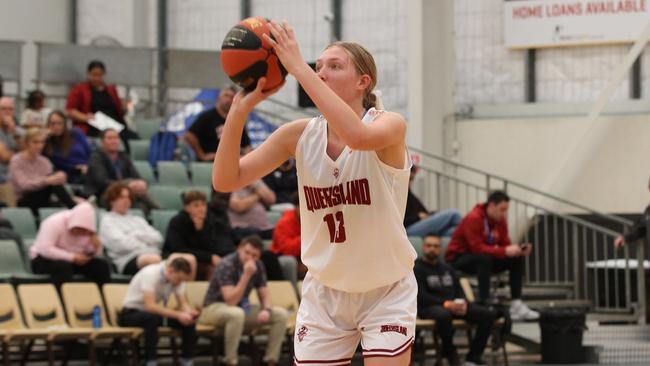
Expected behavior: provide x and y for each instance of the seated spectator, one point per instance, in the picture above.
(481, 245)
(419, 222)
(92, 96)
(36, 112)
(67, 149)
(219, 203)
(67, 244)
(32, 176)
(142, 306)
(247, 211)
(283, 181)
(108, 165)
(227, 305)
(194, 230)
(9, 135)
(286, 235)
(204, 134)
(130, 242)
(441, 298)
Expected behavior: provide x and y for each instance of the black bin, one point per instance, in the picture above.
(562, 330)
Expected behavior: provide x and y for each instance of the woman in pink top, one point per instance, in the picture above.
(30, 174)
(67, 244)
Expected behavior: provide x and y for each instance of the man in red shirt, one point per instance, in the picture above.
(481, 245)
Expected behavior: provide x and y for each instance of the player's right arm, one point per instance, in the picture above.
(229, 172)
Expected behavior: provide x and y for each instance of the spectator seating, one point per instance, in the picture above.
(22, 220)
(13, 266)
(172, 173)
(80, 299)
(145, 170)
(45, 212)
(201, 173)
(139, 149)
(169, 197)
(12, 326)
(160, 219)
(148, 127)
(42, 309)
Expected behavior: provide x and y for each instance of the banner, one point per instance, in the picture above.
(555, 23)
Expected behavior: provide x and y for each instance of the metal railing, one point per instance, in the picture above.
(573, 245)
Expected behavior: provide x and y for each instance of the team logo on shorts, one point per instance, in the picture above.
(336, 173)
(302, 332)
(393, 328)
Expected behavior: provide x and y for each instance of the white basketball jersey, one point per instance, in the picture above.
(351, 214)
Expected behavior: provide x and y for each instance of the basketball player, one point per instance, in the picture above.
(353, 172)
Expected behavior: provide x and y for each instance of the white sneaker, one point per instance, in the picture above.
(520, 311)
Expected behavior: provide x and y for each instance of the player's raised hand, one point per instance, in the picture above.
(249, 100)
(285, 46)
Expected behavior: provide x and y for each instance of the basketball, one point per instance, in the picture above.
(246, 56)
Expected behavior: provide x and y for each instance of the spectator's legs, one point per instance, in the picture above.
(479, 264)
(63, 196)
(98, 270)
(277, 333)
(188, 333)
(232, 318)
(444, 327)
(515, 267)
(441, 223)
(36, 199)
(483, 317)
(149, 322)
(61, 271)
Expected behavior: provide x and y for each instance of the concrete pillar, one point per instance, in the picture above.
(430, 89)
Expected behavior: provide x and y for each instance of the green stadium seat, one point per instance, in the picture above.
(169, 197)
(417, 242)
(12, 264)
(172, 173)
(45, 212)
(144, 169)
(139, 149)
(160, 219)
(201, 174)
(273, 216)
(148, 127)
(22, 220)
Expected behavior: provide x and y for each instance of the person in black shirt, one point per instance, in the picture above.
(283, 181)
(203, 136)
(197, 231)
(441, 298)
(419, 222)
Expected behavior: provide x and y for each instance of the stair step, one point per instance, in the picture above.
(561, 303)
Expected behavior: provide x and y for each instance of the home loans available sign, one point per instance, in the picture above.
(553, 23)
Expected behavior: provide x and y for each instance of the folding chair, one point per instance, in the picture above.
(43, 311)
(80, 299)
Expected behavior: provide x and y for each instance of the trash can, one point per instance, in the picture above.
(562, 330)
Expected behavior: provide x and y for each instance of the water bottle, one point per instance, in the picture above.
(97, 317)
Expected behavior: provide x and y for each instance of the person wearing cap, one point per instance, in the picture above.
(67, 244)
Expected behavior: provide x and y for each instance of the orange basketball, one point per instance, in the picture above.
(246, 56)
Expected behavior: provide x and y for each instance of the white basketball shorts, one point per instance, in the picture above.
(331, 323)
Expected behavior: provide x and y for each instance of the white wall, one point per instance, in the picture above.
(614, 177)
(33, 20)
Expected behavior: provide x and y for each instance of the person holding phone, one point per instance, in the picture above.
(481, 246)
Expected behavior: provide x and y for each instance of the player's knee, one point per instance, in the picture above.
(236, 315)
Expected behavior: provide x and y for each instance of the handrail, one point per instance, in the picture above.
(509, 182)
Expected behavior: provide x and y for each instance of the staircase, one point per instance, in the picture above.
(573, 261)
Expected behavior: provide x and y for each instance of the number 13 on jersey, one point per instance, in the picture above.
(336, 226)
